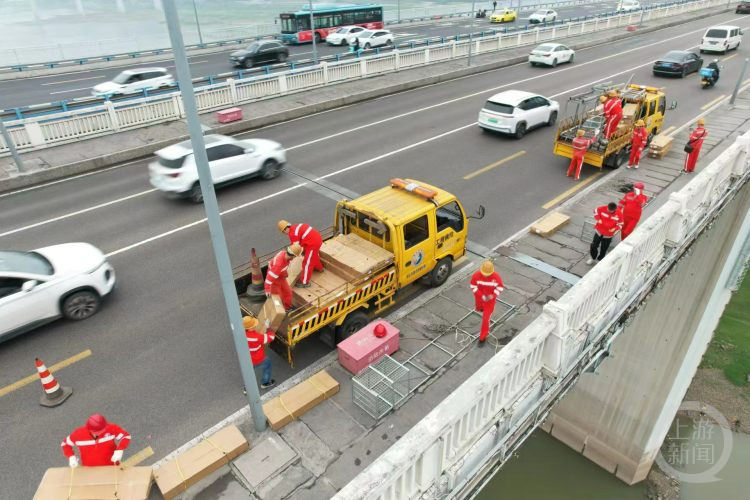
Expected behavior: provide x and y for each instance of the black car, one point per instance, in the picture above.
(678, 62)
(743, 7)
(260, 52)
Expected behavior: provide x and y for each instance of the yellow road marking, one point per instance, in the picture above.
(138, 457)
(494, 165)
(554, 201)
(57, 366)
(665, 132)
(728, 58)
(706, 106)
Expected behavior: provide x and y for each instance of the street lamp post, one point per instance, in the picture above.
(212, 213)
(471, 30)
(11, 147)
(739, 81)
(312, 27)
(197, 23)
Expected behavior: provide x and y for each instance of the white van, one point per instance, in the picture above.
(721, 39)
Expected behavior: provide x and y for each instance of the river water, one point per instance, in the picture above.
(544, 469)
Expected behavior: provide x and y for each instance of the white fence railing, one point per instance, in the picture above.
(74, 125)
(426, 462)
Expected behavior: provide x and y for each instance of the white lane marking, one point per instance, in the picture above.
(69, 90)
(73, 214)
(71, 81)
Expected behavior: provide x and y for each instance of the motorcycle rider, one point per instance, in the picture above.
(714, 65)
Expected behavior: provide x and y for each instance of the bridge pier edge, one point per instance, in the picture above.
(619, 416)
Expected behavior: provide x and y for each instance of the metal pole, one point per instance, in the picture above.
(197, 23)
(212, 213)
(312, 27)
(11, 147)
(398, 6)
(640, 20)
(739, 81)
(471, 30)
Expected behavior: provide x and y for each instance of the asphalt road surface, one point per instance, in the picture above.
(40, 90)
(163, 364)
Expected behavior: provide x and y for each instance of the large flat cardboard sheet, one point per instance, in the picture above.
(95, 483)
(300, 399)
(354, 255)
(321, 285)
(177, 475)
(547, 225)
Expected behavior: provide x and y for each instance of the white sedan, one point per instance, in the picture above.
(36, 287)
(628, 6)
(344, 35)
(543, 16)
(369, 39)
(551, 54)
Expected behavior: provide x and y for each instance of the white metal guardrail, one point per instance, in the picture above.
(63, 127)
(436, 457)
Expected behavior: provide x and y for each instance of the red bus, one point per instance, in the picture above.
(295, 26)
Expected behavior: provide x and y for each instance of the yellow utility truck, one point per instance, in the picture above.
(639, 102)
(379, 243)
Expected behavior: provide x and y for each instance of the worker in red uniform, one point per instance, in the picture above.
(276, 274)
(99, 443)
(256, 344)
(486, 285)
(310, 241)
(608, 222)
(637, 144)
(580, 145)
(695, 142)
(631, 206)
(612, 112)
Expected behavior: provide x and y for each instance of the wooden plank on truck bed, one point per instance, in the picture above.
(380, 254)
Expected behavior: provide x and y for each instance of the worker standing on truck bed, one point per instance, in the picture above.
(486, 285)
(632, 207)
(580, 145)
(310, 241)
(612, 113)
(276, 274)
(637, 143)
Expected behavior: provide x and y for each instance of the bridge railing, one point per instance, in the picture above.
(105, 118)
(429, 461)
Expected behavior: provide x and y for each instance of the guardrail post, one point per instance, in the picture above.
(518, 40)
(231, 82)
(453, 49)
(569, 26)
(396, 60)
(179, 112)
(113, 120)
(427, 55)
(324, 67)
(499, 41)
(554, 30)
(34, 132)
(536, 34)
(283, 88)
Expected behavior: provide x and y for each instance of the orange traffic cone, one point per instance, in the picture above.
(54, 393)
(255, 291)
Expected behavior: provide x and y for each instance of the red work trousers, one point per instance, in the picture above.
(281, 288)
(486, 308)
(611, 125)
(692, 159)
(628, 226)
(635, 156)
(310, 262)
(576, 163)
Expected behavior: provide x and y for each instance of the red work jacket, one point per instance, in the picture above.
(696, 138)
(612, 107)
(276, 270)
(96, 451)
(486, 285)
(255, 343)
(305, 235)
(640, 136)
(632, 205)
(607, 224)
(580, 145)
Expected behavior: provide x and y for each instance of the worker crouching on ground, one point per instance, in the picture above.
(632, 207)
(612, 113)
(310, 241)
(276, 275)
(99, 443)
(486, 285)
(256, 344)
(694, 145)
(580, 146)
(637, 143)
(608, 223)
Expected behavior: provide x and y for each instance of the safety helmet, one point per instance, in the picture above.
(612, 93)
(701, 121)
(96, 423)
(487, 268)
(639, 185)
(282, 225)
(640, 123)
(249, 322)
(379, 330)
(602, 98)
(580, 132)
(294, 249)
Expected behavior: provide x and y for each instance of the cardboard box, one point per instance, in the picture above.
(101, 483)
(363, 348)
(547, 225)
(629, 111)
(660, 146)
(300, 399)
(176, 475)
(273, 311)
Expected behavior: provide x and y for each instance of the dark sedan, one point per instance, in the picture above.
(678, 62)
(260, 52)
(743, 7)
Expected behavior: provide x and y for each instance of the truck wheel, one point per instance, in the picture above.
(618, 159)
(441, 271)
(354, 322)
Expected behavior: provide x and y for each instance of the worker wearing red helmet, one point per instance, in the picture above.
(637, 144)
(486, 285)
(632, 207)
(276, 274)
(310, 241)
(580, 144)
(99, 443)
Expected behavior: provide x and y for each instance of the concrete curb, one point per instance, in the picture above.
(89, 164)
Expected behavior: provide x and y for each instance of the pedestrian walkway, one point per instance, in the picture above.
(316, 455)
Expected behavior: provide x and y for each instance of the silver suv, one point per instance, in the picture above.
(132, 81)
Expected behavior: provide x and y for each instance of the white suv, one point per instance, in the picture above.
(515, 112)
(132, 81)
(628, 6)
(36, 287)
(344, 35)
(369, 39)
(174, 172)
